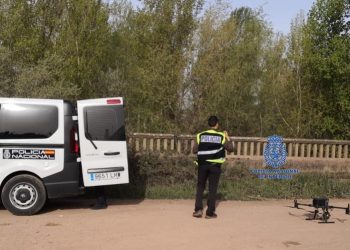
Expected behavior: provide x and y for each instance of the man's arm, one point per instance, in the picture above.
(195, 148)
(228, 145)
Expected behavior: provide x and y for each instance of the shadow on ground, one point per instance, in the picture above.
(81, 203)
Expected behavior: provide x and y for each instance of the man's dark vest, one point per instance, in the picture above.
(211, 147)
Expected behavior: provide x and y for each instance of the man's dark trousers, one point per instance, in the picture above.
(212, 173)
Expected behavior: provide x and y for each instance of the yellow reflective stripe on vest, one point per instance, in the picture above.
(221, 160)
(198, 137)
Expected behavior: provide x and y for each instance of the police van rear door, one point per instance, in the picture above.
(102, 141)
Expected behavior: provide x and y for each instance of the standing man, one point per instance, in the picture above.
(210, 149)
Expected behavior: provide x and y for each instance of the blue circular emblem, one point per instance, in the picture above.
(275, 152)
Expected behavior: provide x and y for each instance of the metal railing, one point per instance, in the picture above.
(245, 147)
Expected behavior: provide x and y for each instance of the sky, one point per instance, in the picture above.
(279, 12)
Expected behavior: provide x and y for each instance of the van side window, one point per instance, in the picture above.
(27, 121)
(104, 123)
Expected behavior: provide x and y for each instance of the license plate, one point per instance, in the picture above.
(104, 176)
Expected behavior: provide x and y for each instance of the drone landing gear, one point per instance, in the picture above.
(321, 203)
(323, 217)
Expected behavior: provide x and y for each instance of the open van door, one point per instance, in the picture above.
(102, 141)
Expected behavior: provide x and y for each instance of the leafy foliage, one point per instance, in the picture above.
(176, 63)
(327, 65)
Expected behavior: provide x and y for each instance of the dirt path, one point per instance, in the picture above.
(165, 224)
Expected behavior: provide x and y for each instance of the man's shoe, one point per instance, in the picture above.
(198, 213)
(98, 206)
(211, 216)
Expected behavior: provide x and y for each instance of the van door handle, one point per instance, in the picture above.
(112, 153)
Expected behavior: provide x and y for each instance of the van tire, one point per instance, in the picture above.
(23, 195)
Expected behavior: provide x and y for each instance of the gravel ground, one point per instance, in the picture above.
(168, 224)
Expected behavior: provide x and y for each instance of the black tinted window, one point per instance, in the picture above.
(104, 123)
(27, 121)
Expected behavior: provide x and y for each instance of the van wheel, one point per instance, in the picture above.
(23, 195)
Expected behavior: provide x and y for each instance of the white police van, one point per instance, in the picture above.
(50, 149)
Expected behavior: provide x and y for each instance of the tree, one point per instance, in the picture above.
(61, 48)
(83, 44)
(285, 97)
(29, 28)
(7, 72)
(228, 67)
(327, 66)
(152, 59)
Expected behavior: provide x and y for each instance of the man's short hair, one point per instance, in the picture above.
(212, 121)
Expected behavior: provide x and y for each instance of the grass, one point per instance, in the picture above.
(153, 176)
(301, 186)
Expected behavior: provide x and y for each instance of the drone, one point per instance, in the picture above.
(322, 203)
